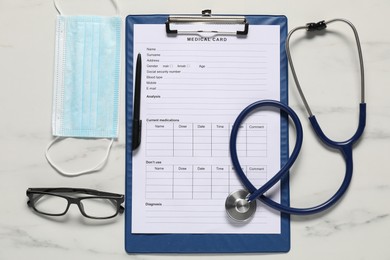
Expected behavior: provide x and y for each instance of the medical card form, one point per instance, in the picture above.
(193, 88)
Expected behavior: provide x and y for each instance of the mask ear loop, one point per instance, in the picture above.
(114, 2)
(97, 167)
(105, 158)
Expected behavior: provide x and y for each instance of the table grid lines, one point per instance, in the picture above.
(204, 140)
(197, 181)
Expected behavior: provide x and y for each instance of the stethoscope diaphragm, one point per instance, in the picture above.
(238, 207)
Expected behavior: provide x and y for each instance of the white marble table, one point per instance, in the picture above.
(357, 228)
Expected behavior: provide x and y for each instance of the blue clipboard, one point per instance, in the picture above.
(205, 243)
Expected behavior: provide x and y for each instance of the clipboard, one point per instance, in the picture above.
(205, 243)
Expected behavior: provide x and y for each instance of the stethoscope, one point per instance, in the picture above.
(241, 205)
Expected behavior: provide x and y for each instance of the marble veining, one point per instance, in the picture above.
(4, 45)
(356, 228)
(355, 219)
(21, 238)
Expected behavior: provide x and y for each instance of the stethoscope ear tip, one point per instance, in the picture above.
(238, 207)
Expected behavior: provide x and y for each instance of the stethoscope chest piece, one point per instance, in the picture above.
(238, 207)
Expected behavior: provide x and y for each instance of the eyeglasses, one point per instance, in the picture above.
(92, 203)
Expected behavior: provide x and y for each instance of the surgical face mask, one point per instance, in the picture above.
(86, 80)
(87, 77)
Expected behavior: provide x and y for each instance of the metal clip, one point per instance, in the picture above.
(206, 17)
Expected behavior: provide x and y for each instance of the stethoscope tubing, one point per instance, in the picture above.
(345, 147)
(233, 146)
(346, 150)
(340, 145)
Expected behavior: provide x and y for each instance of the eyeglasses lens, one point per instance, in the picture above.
(99, 207)
(50, 204)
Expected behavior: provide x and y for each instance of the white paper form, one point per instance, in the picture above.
(193, 88)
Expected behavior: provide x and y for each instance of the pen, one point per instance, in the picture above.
(137, 123)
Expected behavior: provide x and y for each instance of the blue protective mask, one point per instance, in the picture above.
(86, 82)
(86, 77)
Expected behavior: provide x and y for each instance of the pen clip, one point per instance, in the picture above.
(137, 123)
(137, 130)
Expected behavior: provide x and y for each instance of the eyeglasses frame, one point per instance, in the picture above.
(118, 198)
